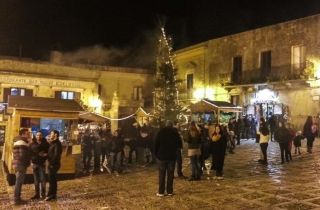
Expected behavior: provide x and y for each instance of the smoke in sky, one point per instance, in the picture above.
(140, 54)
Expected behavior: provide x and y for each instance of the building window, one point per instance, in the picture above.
(189, 81)
(237, 69)
(265, 64)
(235, 100)
(137, 93)
(17, 92)
(298, 57)
(68, 95)
(189, 85)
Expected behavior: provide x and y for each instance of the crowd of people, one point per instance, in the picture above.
(111, 151)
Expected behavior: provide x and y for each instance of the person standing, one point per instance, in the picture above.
(273, 125)
(54, 156)
(21, 161)
(96, 151)
(219, 146)
(117, 146)
(87, 145)
(167, 142)
(179, 153)
(297, 142)
(282, 135)
(310, 132)
(194, 152)
(264, 139)
(39, 148)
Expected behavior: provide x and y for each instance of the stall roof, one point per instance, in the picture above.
(94, 117)
(206, 105)
(43, 104)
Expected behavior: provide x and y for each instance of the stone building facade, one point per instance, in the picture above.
(95, 87)
(269, 70)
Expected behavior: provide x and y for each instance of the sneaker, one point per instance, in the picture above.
(160, 194)
(220, 178)
(170, 194)
(50, 198)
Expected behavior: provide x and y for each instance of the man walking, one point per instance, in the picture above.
(21, 161)
(54, 155)
(167, 143)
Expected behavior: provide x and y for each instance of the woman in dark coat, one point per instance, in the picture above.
(310, 132)
(219, 146)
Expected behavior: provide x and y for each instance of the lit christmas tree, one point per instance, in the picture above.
(166, 92)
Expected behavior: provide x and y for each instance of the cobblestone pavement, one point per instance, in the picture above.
(247, 185)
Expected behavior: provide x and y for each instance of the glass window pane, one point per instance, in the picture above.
(14, 91)
(64, 95)
(70, 95)
(22, 92)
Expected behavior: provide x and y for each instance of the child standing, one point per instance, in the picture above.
(297, 142)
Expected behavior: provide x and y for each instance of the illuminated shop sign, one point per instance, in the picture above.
(265, 96)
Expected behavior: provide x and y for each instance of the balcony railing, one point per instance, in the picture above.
(277, 73)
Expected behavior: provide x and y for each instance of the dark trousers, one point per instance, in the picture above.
(132, 149)
(272, 134)
(310, 141)
(115, 161)
(86, 159)
(284, 151)
(238, 138)
(166, 170)
(219, 163)
(39, 177)
(195, 166)
(52, 178)
(264, 147)
(20, 175)
(179, 163)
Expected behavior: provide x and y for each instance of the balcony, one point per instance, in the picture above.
(277, 73)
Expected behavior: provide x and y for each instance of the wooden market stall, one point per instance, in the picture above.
(214, 111)
(45, 114)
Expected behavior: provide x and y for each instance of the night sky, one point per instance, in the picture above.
(36, 27)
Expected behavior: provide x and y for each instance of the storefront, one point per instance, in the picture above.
(214, 111)
(264, 103)
(44, 114)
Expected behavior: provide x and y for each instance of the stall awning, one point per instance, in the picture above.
(94, 117)
(43, 104)
(206, 105)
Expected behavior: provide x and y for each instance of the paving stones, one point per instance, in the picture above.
(247, 185)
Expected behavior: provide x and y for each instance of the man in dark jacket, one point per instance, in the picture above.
(54, 156)
(282, 135)
(21, 161)
(87, 145)
(117, 146)
(39, 148)
(167, 143)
